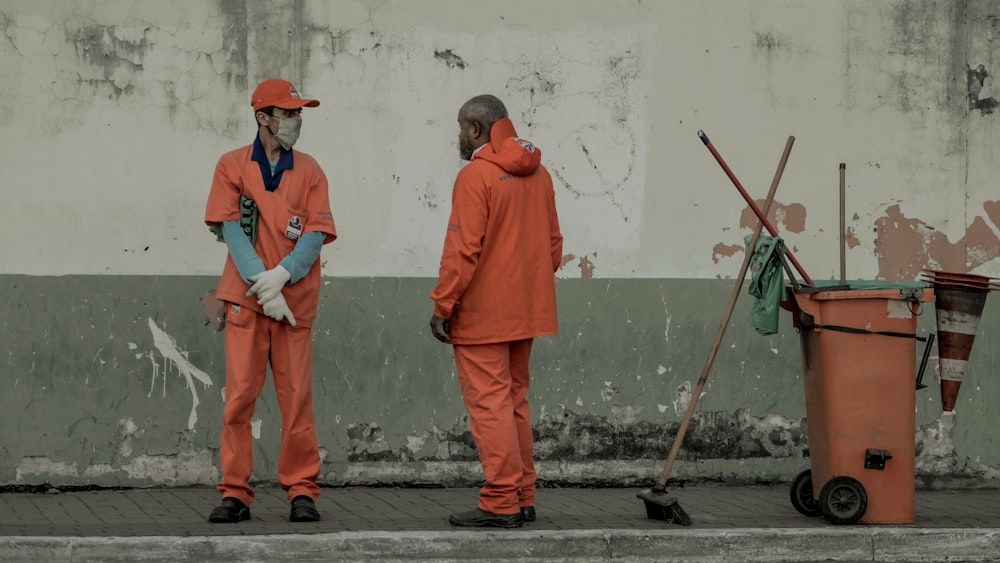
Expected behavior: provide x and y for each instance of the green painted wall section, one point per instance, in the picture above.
(117, 381)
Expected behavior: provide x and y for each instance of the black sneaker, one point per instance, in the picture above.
(303, 510)
(231, 511)
(528, 513)
(477, 518)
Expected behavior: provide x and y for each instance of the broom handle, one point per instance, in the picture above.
(760, 215)
(725, 320)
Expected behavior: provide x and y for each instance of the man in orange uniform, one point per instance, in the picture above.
(270, 205)
(495, 293)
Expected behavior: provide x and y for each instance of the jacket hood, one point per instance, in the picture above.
(505, 149)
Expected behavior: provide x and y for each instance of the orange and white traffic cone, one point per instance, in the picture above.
(959, 301)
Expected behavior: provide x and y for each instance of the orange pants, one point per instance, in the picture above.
(251, 340)
(495, 380)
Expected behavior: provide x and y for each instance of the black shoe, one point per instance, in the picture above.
(303, 510)
(477, 518)
(231, 510)
(528, 513)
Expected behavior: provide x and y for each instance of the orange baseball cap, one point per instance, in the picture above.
(279, 93)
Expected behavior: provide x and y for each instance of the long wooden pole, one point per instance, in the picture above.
(682, 431)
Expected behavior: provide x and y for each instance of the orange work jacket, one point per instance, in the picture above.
(496, 281)
(299, 205)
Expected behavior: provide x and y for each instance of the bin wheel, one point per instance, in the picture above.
(802, 495)
(843, 500)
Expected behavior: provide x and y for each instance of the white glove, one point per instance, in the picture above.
(278, 309)
(269, 283)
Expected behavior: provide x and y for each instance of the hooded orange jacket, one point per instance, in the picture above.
(496, 281)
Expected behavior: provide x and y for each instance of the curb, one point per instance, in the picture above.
(750, 545)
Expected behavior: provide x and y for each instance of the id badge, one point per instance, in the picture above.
(294, 229)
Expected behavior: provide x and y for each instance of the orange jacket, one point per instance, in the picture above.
(302, 195)
(496, 282)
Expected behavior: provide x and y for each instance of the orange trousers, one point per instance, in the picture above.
(495, 380)
(252, 340)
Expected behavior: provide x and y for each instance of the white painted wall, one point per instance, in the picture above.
(113, 114)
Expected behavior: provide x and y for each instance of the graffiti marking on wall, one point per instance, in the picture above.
(174, 356)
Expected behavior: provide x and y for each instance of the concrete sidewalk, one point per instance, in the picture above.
(747, 523)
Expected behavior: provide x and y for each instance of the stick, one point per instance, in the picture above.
(725, 320)
(843, 221)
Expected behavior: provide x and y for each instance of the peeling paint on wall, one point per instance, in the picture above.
(905, 246)
(792, 216)
(587, 267)
(976, 82)
(121, 441)
(576, 436)
(721, 250)
(935, 449)
(449, 58)
(215, 310)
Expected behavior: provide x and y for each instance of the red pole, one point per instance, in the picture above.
(760, 215)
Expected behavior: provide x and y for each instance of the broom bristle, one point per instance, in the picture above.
(680, 516)
(663, 506)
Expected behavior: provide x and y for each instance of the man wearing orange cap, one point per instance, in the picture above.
(269, 204)
(495, 294)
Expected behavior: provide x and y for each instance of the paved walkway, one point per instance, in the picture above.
(730, 524)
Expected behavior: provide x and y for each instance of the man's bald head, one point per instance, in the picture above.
(484, 110)
(475, 120)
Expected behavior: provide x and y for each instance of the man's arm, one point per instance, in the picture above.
(244, 256)
(304, 255)
(462, 243)
(555, 235)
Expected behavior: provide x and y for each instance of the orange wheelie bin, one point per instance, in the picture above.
(859, 365)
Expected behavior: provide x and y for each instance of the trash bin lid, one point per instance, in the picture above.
(871, 284)
(868, 289)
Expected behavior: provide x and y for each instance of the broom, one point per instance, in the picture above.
(660, 505)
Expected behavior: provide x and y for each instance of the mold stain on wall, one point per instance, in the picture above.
(976, 79)
(567, 435)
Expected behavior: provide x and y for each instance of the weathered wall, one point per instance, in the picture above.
(114, 113)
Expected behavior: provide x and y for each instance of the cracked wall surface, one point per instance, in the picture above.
(126, 389)
(116, 112)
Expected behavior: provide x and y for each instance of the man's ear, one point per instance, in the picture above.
(261, 120)
(477, 130)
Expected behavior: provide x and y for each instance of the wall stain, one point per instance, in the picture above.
(721, 250)
(366, 442)
(975, 80)
(117, 52)
(768, 42)
(851, 238)
(449, 58)
(587, 267)
(905, 246)
(215, 310)
(583, 436)
(792, 216)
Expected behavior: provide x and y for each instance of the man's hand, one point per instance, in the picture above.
(278, 309)
(268, 284)
(440, 328)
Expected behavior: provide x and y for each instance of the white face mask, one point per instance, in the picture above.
(288, 132)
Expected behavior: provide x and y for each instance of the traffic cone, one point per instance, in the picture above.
(958, 313)
(959, 301)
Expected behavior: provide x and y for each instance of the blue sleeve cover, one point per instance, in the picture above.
(244, 256)
(304, 255)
